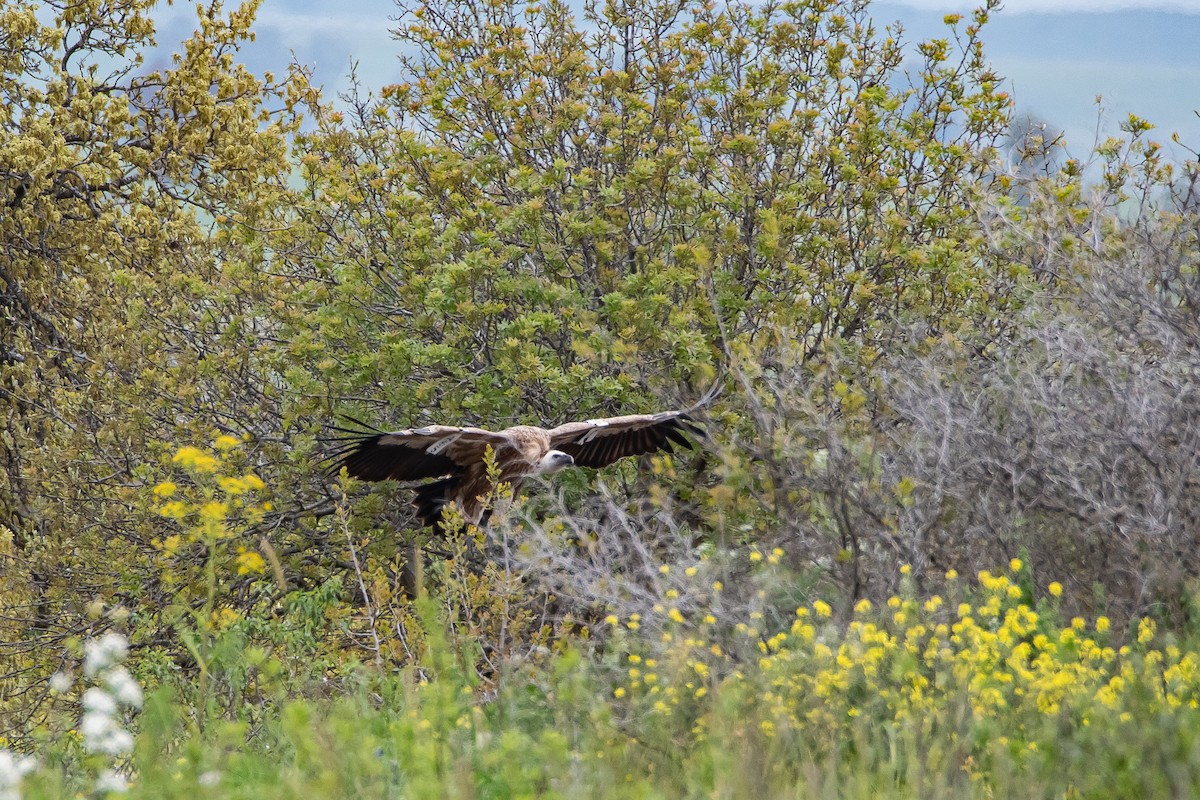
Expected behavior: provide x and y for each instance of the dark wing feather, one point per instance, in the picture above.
(600, 442)
(411, 454)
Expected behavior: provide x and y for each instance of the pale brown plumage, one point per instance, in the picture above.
(456, 455)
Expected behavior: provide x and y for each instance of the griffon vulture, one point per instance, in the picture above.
(456, 455)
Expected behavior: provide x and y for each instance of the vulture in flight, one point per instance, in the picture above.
(455, 456)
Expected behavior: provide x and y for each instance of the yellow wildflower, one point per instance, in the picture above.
(213, 510)
(226, 443)
(1055, 589)
(195, 459)
(174, 510)
(224, 617)
(186, 455)
(164, 489)
(232, 486)
(250, 562)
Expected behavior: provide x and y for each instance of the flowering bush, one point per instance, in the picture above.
(215, 508)
(212, 508)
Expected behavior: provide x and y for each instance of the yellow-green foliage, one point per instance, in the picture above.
(980, 690)
(553, 212)
(122, 320)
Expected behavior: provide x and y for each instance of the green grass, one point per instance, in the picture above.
(923, 699)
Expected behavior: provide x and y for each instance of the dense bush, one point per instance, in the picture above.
(122, 329)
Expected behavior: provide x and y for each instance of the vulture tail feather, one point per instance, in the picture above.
(432, 497)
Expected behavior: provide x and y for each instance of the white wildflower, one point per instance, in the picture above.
(98, 701)
(100, 654)
(60, 682)
(101, 727)
(111, 781)
(120, 742)
(115, 741)
(95, 728)
(123, 687)
(13, 769)
(102, 734)
(210, 778)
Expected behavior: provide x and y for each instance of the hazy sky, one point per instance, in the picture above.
(1141, 56)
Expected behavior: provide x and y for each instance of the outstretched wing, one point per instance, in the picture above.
(411, 454)
(600, 442)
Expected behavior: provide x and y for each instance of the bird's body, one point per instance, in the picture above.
(456, 455)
